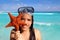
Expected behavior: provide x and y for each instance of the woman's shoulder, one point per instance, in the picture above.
(36, 31)
(37, 34)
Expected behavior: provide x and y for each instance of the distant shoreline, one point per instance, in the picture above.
(47, 11)
(38, 12)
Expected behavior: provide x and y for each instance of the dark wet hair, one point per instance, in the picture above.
(32, 33)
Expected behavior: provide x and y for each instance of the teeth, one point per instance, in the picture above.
(24, 26)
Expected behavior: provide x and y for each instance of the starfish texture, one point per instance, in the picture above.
(15, 21)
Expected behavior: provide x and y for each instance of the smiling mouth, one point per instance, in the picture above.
(24, 26)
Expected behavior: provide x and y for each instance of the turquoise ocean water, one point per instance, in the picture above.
(47, 23)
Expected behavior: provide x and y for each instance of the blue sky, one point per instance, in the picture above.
(39, 5)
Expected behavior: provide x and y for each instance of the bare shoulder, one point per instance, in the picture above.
(37, 31)
(37, 34)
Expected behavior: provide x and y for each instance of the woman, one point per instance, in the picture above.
(26, 31)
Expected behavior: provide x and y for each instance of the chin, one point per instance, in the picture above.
(24, 29)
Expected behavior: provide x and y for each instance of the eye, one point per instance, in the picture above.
(22, 19)
(29, 19)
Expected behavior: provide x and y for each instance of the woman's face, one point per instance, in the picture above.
(27, 19)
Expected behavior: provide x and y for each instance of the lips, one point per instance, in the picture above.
(24, 26)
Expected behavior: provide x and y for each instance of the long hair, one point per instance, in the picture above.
(32, 33)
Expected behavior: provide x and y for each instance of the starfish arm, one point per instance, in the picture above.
(16, 26)
(19, 19)
(11, 16)
(9, 24)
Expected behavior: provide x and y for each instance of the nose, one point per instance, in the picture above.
(25, 22)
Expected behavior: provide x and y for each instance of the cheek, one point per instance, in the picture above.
(29, 24)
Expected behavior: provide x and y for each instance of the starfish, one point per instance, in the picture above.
(15, 21)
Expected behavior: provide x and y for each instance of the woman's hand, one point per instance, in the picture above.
(18, 36)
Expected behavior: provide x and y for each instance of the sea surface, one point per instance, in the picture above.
(47, 23)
